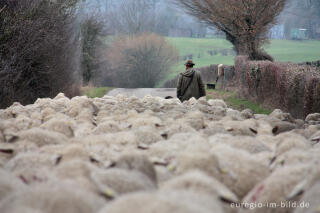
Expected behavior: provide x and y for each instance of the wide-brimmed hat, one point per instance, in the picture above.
(189, 63)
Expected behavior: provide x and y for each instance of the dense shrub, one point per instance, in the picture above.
(38, 47)
(92, 62)
(291, 87)
(139, 61)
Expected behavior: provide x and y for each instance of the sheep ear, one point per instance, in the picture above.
(160, 162)
(7, 151)
(109, 164)
(315, 140)
(109, 194)
(226, 200)
(272, 160)
(275, 130)
(58, 159)
(11, 138)
(254, 130)
(94, 158)
(164, 135)
(143, 146)
(298, 190)
(228, 197)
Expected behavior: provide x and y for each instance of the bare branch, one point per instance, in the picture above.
(3, 8)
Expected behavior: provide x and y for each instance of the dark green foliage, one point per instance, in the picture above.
(91, 30)
(37, 50)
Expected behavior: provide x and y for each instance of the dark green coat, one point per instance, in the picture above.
(196, 88)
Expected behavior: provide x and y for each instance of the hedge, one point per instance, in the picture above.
(294, 88)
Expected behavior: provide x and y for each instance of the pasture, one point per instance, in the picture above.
(206, 51)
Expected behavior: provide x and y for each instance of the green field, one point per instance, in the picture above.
(281, 50)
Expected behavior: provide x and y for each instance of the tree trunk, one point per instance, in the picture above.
(249, 47)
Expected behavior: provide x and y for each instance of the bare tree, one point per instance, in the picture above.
(139, 61)
(245, 22)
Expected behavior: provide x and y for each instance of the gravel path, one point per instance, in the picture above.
(140, 93)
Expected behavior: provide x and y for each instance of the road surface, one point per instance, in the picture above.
(140, 93)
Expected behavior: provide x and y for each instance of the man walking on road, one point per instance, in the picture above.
(190, 83)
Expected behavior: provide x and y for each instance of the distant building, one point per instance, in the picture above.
(299, 34)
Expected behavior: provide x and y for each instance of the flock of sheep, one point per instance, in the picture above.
(152, 155)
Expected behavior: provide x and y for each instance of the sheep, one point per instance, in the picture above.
(181, 142)
(8, 130)
(78, 104)
(309, 202)
(313, 118)
(83, 130)
(23, 122)
(213, 128)
(79, 173)
(177, 127)
(234, 115)
(194, 118)
(63, 126)
(108, 126)
(42, 137)
(247, 114)
(2, 139)
(166, 202)
(30, 160)
(315, 138)
(288, 141)
(276, 189)
(4, 114)
(217, 103)
(249, 144)
(294, 156)
(9, 184)
(47, 114)
(198, 182)
(36, 119)
(144, 120)
(249, 127)
(205, 162)
(277, 113)
(52, 198)
(34, 176)
(43, 103)
(162, 171)
(147, 135)
(72, 152)
(139, 163)
(196, 156)
(16, 109)
(114, 182)
(308, 182)
(118, 138)
(235, 165)
(281, 126)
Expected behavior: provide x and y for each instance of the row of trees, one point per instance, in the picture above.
(139, 16)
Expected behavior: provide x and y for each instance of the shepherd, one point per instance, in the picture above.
(190, 83)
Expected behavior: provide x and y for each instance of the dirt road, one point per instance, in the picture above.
(140, 93)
